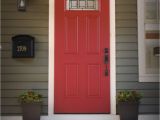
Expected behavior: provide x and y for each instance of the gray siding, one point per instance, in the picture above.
(19, 75)
(127, 57)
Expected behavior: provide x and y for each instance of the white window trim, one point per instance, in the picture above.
(143, 77)
(51, 66)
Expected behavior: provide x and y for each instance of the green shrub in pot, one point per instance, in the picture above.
(129, 96)
(128, 104)
(30, 97)
(31, 105)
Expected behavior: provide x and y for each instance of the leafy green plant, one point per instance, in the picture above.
(128, 96)
(30, 97)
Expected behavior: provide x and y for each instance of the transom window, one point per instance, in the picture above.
(82, 4)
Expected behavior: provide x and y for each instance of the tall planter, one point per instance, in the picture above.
(31, 111)
(128, 110)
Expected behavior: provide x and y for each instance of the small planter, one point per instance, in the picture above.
(31, 111)
(128, 110)
(31, 105)
(128, 104)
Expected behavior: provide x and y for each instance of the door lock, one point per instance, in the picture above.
(106, 58)
(106, 72)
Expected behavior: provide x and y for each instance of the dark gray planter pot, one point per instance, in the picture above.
(128, 110)
(31, 111)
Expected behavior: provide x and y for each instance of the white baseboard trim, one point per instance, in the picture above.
(82, 117)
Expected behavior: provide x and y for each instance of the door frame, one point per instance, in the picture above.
(51, 62)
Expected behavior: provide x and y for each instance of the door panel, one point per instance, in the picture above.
(71, 78)
(71, 32)
(93, 41)
(80, 39)
(94, 80)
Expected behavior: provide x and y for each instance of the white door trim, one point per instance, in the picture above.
(51, 60)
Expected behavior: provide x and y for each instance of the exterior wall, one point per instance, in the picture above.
(127, 56)
(22, 74)
(19, 75)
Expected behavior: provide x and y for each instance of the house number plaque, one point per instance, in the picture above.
(22, 46)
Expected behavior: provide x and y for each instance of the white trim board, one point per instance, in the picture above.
(83, 117)
(51, 64)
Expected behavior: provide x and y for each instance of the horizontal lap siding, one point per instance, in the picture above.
(127, 57)
(19, 75)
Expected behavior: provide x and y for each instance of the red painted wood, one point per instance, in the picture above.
(80, 38)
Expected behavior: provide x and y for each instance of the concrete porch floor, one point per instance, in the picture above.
(83, 117)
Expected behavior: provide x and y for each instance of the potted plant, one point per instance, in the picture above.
(128, 104)
(31, 105)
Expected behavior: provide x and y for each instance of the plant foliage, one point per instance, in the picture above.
(30, 97)
(128, 96)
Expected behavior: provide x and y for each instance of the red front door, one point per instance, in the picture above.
(81, 81)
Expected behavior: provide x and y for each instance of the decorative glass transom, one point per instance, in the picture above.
(82, 4)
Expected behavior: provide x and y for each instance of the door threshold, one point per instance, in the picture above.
(84, 117)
